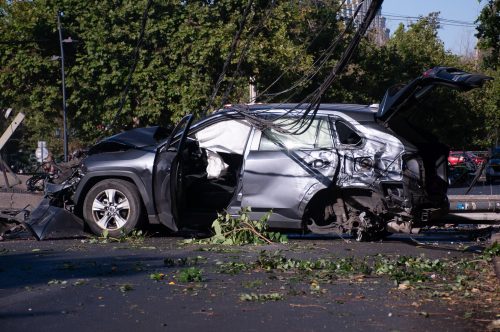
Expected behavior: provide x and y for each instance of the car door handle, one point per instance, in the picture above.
(319, 163)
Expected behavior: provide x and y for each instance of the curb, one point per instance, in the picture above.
(19, 200)
(496, 266)
(495, 237)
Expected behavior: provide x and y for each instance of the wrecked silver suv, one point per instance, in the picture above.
(355, 169)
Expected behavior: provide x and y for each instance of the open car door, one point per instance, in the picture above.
(167, 179)
(396, 98)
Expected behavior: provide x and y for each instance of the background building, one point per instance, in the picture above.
(378, 26)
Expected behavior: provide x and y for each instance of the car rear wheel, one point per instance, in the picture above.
(113, 205)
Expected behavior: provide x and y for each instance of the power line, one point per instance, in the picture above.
(314, 68)
(144, 21)
(440, 20)
(387, 14)
(234, 44)
(313, 101)
(245, 50)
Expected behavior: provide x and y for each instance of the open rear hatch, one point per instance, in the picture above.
(431, 152)
(397, 98)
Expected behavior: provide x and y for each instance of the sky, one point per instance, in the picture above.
(458, 35)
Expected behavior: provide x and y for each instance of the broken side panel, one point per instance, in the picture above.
(283, 172)
(368, 155)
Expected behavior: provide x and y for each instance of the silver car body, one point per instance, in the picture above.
(354, 168)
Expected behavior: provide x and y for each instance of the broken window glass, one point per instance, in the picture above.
(346, 134)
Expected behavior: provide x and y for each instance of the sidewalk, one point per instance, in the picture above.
(17, 197)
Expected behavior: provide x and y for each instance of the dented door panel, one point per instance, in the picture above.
(284, 180)
(272, 180)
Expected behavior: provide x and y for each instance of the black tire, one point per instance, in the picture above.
(119, 216)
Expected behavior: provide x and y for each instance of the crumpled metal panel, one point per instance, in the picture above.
(379, 158)
(50, 222)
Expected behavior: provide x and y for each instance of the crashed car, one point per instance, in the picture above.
(358, 169)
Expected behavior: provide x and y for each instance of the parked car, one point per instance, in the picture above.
(493, 166)
(465, 157)
(352, 169)
(455, 158)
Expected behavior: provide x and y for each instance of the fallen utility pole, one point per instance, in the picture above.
(483, 209)
(474, 203)
(3, 140)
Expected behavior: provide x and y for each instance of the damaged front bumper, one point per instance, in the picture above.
(51, 219)
(50, 222)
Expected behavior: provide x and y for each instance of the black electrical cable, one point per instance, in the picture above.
(306, 77)
(124, 94)
(234, 44)
(302, 123)
(314, 99)
(245, 51)
(341, 64)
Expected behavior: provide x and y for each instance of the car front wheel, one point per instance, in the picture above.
(113, 205)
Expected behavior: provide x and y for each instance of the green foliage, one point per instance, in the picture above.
(491, 251)
(232, 267)
(157, 276)
(253, 284)
(57, 282)
(135, 237)
(241, 230)
(408, 269)
(327, 268)
(126, 288)
(461, 120)
(419, 47)
(488, 30)
(403, 270)
(185, 46)
(191, 274)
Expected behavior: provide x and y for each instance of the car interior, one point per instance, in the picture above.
(210, 164)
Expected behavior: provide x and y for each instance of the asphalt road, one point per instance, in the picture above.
(76, 285)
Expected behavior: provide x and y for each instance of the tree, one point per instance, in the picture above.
(184, 48)
(456, 118)
(488, 33)
(181, 57)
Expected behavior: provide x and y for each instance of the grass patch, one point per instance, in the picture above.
(191, 274)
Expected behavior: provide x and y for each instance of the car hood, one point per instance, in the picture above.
(137, 138)
(402, 95)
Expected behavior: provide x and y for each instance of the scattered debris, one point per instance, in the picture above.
(126, 288)
(261, 297)
(136, 237)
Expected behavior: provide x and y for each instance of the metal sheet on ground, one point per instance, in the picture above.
(50, 222)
